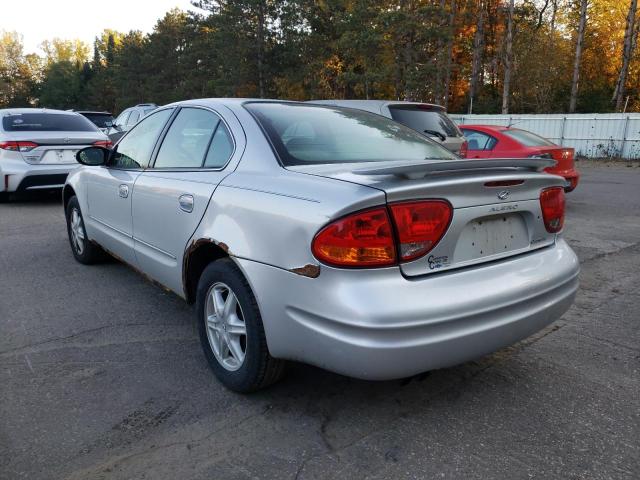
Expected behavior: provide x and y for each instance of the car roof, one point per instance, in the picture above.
(13, 111)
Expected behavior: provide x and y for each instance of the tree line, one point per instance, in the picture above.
(481, 56)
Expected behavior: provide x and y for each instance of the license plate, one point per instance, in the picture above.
(494, 235)
(59, 156)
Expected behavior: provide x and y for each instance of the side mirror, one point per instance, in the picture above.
(93, 156)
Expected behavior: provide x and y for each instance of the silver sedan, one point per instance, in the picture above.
(326, 235)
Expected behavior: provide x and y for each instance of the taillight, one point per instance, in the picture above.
(464, 149)
(18, 146)
(552, 206)
(366, 239)
(420, 226)
(103, 143)
(363, 239)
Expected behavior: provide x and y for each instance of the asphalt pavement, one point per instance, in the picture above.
(102, 377)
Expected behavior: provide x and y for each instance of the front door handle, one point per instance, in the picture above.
(123, 191)
(186, 202)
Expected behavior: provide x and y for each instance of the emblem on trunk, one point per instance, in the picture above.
(67, 140)
(503, 194)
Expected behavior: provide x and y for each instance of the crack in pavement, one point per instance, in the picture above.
(17, 350)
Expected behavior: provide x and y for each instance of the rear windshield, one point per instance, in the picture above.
(46, 122)
(421, 119)
(527, 139)
(102, 120)
(305, 134)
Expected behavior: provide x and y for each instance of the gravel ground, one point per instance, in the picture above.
(102, 377)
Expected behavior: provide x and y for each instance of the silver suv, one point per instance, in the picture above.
(128, 118)
(427, 118)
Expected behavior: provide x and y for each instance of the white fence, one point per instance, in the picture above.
(592, 135)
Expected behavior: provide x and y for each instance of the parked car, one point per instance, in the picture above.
(429, 119)
(493, 141)
(102, 120)
(38, 147)
(326, 235)
(128, 118)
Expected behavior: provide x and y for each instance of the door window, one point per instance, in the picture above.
(479, 141)
(188, 139)
(134, 150)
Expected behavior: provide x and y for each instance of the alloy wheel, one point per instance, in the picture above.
(226, 328)
(77, 231)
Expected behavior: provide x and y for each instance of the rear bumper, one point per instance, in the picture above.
(571, 176)
(17, 175)
(378, 325)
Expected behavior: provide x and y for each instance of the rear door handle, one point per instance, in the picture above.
(186, 202)
(123, 191)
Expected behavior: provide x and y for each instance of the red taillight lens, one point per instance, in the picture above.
(464, 149)
(364, 239)
(103, 143)
(18, 146)
(420, 226)
(552, 206)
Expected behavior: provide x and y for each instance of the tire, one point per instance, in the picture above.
(4, 197)
(84, 251)
(255, 368)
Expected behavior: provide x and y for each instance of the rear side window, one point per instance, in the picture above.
(220, 149)
(188, 139)
(421, 119)
(46, 122)
(478, 140)
(306, 134)
(527, 139)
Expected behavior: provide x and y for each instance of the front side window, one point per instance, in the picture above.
(312, 134)
(134, 150)
(479, 141)
(188, 139)
(46, 122)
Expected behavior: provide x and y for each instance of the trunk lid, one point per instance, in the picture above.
(55, 147)
(496, 206)
(564, 158)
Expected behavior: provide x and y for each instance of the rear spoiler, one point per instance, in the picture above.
(413, 170)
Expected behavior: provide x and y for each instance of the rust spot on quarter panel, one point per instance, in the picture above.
(195, 244)
(311, 271)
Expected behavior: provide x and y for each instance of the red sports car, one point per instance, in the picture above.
(493, 141)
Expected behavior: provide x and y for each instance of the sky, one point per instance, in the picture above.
(39, 20)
